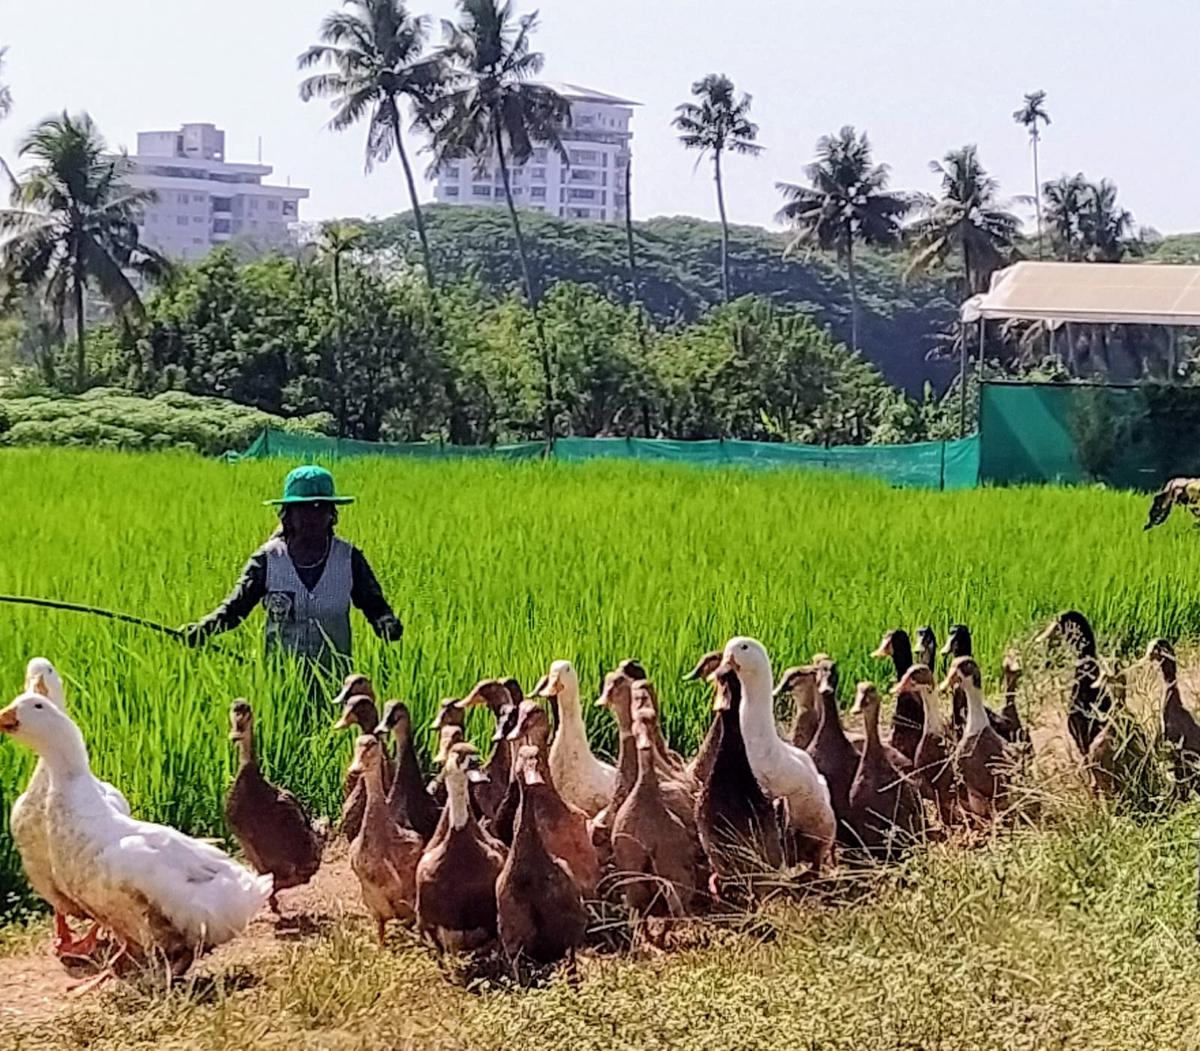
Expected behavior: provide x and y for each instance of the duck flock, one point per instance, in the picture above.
(515, 852)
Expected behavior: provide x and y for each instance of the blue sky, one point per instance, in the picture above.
(921, 76)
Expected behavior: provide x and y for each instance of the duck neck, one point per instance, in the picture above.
(457, 801)
(831, 719)
(977, 718)
(66, 757)
(805, 703)
(1171, 695)
(902, 654)
(570, 718)
(757, 713)
(935, 722)
(871, 729)
(373, 781)
(246, 753)
(647, 774)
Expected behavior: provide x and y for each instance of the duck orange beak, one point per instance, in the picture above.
(884, 649)
(39, 686)
(728, 666)
(9, 723)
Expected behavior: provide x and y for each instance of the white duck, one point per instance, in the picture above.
(28, 824)
(782, 770)
(156, 889)
(580, 777)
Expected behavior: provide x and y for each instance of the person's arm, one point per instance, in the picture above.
(367, 595)
(247, 593)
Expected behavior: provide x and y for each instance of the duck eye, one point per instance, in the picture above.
(38, 707)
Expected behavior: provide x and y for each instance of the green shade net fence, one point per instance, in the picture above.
(929, 465)
(1131, 437)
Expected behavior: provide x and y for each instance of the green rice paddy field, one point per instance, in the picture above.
(499, 569)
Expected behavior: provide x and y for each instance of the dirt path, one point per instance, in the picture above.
(37, 985)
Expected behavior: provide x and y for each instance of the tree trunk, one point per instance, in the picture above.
(530, 293)
(852, 280)
(633, 279)
(77, 278)
(724, 226)
(1037, 192)
(339, 353)
(418, 216)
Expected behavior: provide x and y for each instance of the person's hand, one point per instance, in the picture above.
(389, 629)
(191, 634)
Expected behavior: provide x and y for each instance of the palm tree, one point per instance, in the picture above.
(846, 202)
(490, 109)
(1065, 199)
(967, 220)
(719, 122)
(1030, 115)
(336, 239)
(75, 219)
(375, 58)
(1104, 228)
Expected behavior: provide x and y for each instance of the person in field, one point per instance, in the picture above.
(306, 579)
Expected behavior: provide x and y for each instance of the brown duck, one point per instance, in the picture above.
(705, 671)
(540, 911)
(357, 701)
(500, 696)
(563, 827)
(652, 849)
(735, 821)
(411, 804)
(456, 876)
(1180, 731)
(274, 831)
(834, 755)
(908, 718)
(800, 683)
(884, 804)
(981, 760)
(384, 855)
(933, 763)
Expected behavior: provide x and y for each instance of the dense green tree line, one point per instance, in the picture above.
(386, 363)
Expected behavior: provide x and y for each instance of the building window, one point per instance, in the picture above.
(181, 198)
(579, 213)
(272, 205)
(539, 155)
(481, 191)
(253, 204)
(181, 220)
(539, 173)
(450, 191)
(198, 198)
(289, 208)
(450, 171)
(220, 226)
(581, 195)
(537, 193)
(198, 219)
(197, 241)
(585, 122)
(220, 204)
(583, 156)
(582, 175)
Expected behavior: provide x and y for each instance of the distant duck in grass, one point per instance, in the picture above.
(982, 762)
(652, 848)
(933, 762)
(273, 829)
(782, 771)
(563, 827)
(541, 917)
(1180, 731)
(884, 803)
(456, 876)
(908, 717)
(583, 780)
(358, 710)
(384, 854)
(831, 750)
(411, 805)
(500, 697)
(1118, 757)
(737, 824)
(162, 894)
(800, 683)
(1089, 701)
(27, 823)
(927, 647)
(1010, 726)
(705, 670)
(959, 644)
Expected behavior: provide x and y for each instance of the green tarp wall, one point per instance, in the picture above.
(930, 465)
(1132, 437)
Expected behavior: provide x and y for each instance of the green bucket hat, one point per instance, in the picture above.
(309, 485)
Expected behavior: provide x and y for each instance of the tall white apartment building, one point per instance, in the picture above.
(592, 186)
(203, 201)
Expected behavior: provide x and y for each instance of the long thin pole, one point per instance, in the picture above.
(73, 607)
(962, 379)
